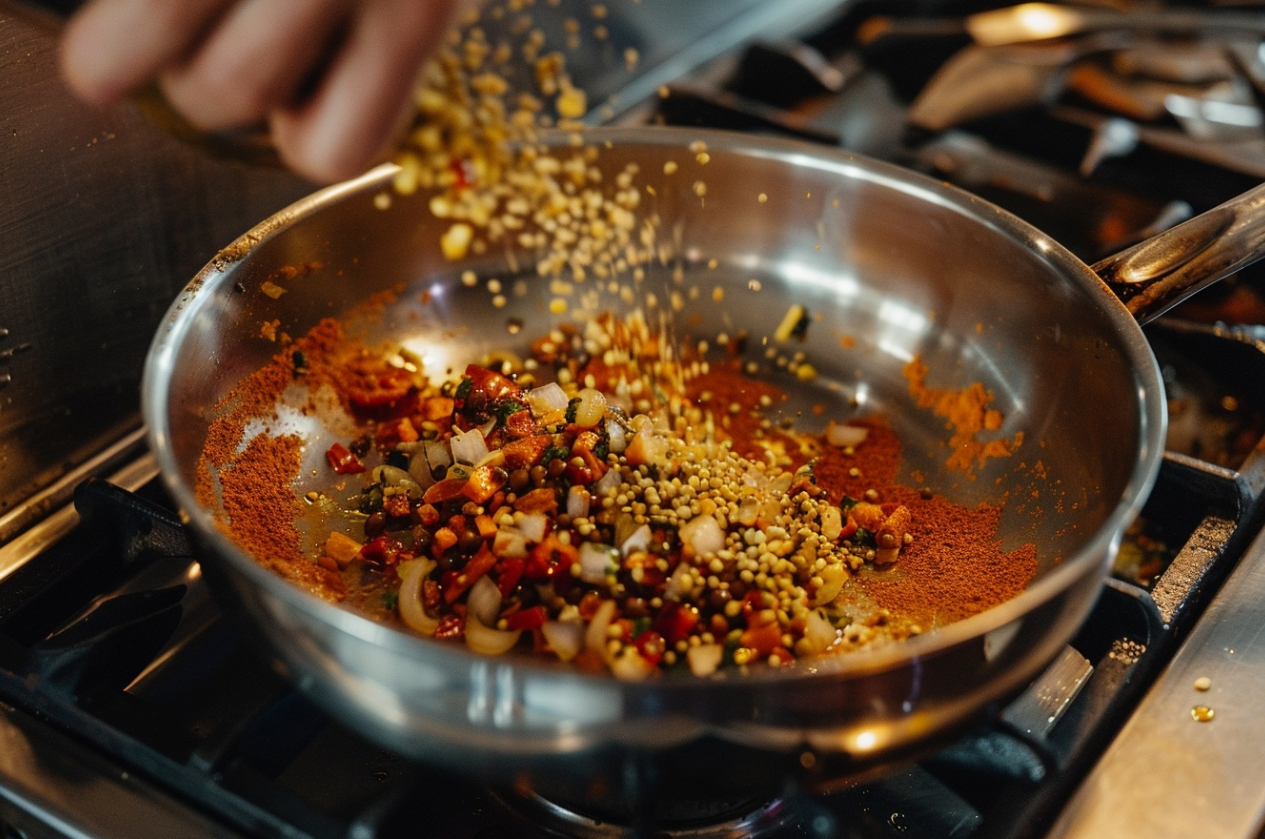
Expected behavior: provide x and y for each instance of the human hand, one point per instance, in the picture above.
(331, 78)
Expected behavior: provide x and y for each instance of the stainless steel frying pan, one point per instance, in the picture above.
(890, 265)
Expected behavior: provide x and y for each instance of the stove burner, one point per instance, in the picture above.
(672, 819)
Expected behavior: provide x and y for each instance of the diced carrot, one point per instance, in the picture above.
(341, 547)
(525, 451)
(436, 408)
(484, 481)
(396, 431)
(542, 500)
(445, 538)
(485, 526)
(763, 638)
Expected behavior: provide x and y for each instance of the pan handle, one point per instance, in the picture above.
(1153, 276)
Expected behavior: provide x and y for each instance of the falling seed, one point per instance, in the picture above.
(1202, 713)
(763, 199)
(469, 279)
(1203, 683)
(382, 200)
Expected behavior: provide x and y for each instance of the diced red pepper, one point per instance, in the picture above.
(526, 619)
(651, 645)
(460, 581)
(590, 468)
(550, 559)
(508, 573)
(450, 626)
(343, 461)
(849, 527)
(490, 384)
(754, 602)
(445, 490)
(463, 173)
(521, 424)
(382, 550)
(675, 621)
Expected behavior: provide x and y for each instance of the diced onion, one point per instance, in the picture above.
(484, 600)
(577, 502)
(843, 435)
(546, 398)
(564, 637)
(532, 525)
(638, 540)
(488, 641)
(617, 437)
(819, 632)
(680, 584)
(509, 543)
(631, 666)
(590, 407)
(831, 524)
(608, 484)
(412, 574)
(426, 459)
(596, 561)
(832, 577)
(469, 447)
(595, 634)
(703, 535)
(646, 447)
(704, 659)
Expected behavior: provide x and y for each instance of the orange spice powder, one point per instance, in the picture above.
(967, 414)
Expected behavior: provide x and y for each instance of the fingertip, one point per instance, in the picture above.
(318, 155)
(82, 63)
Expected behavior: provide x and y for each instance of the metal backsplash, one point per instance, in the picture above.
(102, 220)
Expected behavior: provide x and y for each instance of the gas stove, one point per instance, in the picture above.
(130, 704)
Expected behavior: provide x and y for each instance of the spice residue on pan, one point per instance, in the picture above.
(967, 414)
(249, 481)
